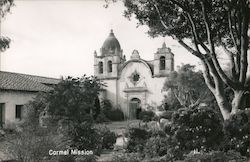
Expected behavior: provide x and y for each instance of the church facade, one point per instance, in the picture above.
(135, 84)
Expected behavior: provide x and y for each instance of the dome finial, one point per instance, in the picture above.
(111, 33)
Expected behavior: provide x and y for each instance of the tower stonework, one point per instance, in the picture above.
(111, 57)
(163, 61)
(135, 84)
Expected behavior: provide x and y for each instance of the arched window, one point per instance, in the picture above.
(100, 66)
(162, 63)
(109, 66)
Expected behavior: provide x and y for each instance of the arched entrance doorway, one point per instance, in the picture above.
(134, 108)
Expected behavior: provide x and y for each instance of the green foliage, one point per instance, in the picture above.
(97, 108)
(146, 116)
(156, 146)
(115, 115)
(29, 141)
(101, 118)
(89, 158)
(106, 106)
(215, 156)
(74, 98)
(167, 115)
(127, 157)
(137, 138)
(84, 136)
(31, 146)
(187, 86)
(174, 16)
(207, 24)
(237, 132)
(108, 137)
(5, 6)
(198, 128)
(171, 102)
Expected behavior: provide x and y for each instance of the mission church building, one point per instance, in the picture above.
(132, 84)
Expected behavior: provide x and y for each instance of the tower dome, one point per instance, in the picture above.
(110, 45)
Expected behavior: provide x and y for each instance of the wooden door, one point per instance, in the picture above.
(133, 106)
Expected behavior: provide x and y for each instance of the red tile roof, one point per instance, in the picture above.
(23, 82)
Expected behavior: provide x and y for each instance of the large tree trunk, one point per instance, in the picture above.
(237, 101)
(224, 105)
(226, 108)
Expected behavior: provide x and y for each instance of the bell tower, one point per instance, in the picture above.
(107, 64)
(163, 61)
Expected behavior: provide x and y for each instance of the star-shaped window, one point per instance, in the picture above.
(135, 77)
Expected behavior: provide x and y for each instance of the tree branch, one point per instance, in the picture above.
(244, 43)
(189, 49)
(231, 30)
(221, 73)
(207, 77)
(235, 73)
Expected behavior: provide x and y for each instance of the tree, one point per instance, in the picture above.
(209, 24)
(73, 99)
(5, 6)
(187, 86)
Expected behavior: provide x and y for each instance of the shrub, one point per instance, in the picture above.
(215, 156)
(197, 128)
(127, 157)
(101, 118)
(115, 115)
(137, 138)
(88, 158)
(84, 136)
(237, 132)
(28, 141)
(106, 107)
(146, 116)
(31, 144)
(156, 146)
(167, 115)
(108, 137)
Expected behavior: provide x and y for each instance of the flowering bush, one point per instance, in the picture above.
(237, 131)
(84, 136)
(127, 157)
(215, 156)
(108, 137)
(156, 146)
(137, 138)
(146, 116)
(197, 128)
(115, 115)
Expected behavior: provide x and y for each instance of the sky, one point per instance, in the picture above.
(57, 38)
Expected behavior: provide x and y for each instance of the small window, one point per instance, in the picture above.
(1, 114)
(162, 63)
(100, 65)
(19, 111)
(109, 66)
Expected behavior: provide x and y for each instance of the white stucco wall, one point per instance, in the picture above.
(148, 89)
(111, 91)
(10, 100)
